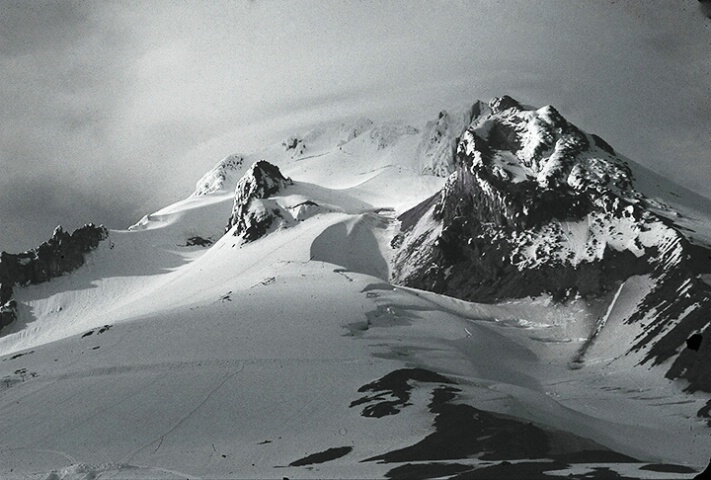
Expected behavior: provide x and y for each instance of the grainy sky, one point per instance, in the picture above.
(110, 110)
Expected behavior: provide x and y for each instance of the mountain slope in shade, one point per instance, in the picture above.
(179, 350)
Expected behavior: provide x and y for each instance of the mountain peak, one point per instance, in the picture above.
(250, 216)
(499, 104)
(537, 206)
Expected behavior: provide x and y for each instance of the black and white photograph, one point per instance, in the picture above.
(355, 239)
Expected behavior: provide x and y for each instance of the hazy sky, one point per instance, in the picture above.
(111, 110)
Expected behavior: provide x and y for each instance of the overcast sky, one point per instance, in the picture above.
(111, 110)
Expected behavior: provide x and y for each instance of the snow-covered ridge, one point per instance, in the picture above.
(326, 135)
(215, 180)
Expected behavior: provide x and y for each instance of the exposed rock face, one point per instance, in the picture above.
(537, 206)
(251, 215)
(62, 253)
(8, 313)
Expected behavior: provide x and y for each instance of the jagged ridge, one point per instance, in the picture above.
(62, 253)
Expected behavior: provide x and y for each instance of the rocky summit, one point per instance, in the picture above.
(537, 206)
(251, 215)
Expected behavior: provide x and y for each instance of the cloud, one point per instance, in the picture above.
(32, 207)
(27, 27)
(130, 102)
(705, 7)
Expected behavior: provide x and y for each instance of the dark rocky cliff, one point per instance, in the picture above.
(62, 253)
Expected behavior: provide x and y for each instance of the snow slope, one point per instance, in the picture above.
(159, 359)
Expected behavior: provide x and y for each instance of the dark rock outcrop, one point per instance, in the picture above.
(251, 216)
(62, 253)
(198, 241)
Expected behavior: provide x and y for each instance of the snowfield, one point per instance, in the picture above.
(294, 356)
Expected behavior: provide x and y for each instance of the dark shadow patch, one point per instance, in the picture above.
(198, 242)
(667, 468)
(462, 431)
(694, 342)
(423, 471)
(396, 386)
(322, 457)
(352, 243)
(98, 331)
(377, 286)
(594, 456)
(18, 355)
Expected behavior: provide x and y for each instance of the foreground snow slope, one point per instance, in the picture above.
(162, 360)
(245, 363)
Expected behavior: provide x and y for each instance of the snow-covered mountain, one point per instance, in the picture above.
(536, 206)
(494, 293)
